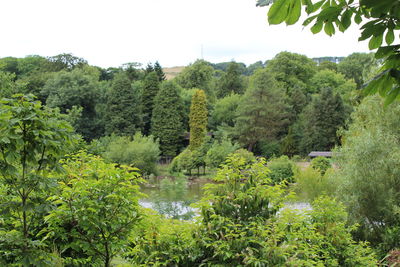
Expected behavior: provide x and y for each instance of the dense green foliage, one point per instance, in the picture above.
(123, 108)
(262, 111)
(380, 23)
(282, 170)
(140, 151)
(369, 172)
(198, 119)
(96, 208)
(239, 226)
(325, 115)
(167, 119)
(321, 164)
(32, 141)
(151, 87)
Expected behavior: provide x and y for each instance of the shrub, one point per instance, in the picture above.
(219, 151)
(142, 152)
(321, 164)
(310, 183)
(282, 169)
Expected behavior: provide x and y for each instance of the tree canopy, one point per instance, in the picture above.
(379, 21)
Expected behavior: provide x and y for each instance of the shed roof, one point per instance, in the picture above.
(314, 154)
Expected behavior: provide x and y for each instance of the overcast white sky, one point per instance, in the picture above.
(109, 33)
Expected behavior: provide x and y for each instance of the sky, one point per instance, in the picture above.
(175, 32)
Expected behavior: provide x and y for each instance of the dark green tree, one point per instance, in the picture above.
(166, 121)
(160, 73)
(262, 113)
(68, 89)
(322, 119)
(231, 81)
(151, 87)
(123, 115)
(198, 118)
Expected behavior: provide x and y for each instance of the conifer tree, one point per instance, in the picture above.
(151, 86)
(262, 113)
(322, 118)
(160, 73)
(198, 119)
(123, 116)
(166, 122)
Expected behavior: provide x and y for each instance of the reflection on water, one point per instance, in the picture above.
(172, 197)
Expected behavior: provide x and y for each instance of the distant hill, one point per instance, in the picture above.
(172, 72)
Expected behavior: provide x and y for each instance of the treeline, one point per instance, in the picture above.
(288, 105)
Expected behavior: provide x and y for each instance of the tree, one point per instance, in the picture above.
(381, 20)
(95, 210)
(225, 111)
(166, 121)
(124, 114)
(68, 89)
(198, 118)
(322, 119)
(151, 86)
(231, 81)
(32, 140)
(197, 75)
(262, 112)
(64, 62)
(293, 70)
(336, 81)
(368, 176)
(160, 73)
(142, 152)
(357, 66)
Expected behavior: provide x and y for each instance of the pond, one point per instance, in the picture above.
(172, 197)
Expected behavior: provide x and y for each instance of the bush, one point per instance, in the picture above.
(142, 152)
(310, 183)
(282, 169)
(219, 151)
(321, 164)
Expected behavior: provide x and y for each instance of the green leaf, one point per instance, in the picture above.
(385, 51)
(294, 12)
(389, 36)
(392, 95)
(278, 11)
(329, 28)
(317, 27)
(346, 18)
(309, 20)
(357, 18)
(375, 42)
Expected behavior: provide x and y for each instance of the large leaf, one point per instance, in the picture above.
(294, 12)
(279, 11)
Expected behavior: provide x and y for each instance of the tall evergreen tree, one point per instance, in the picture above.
(166, 121)
(160, 73)
(262, 113)
(322, 118)
(198, 119)
(123, 116)
(231, 81)
(151, 86)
